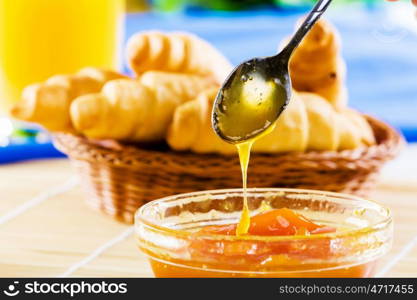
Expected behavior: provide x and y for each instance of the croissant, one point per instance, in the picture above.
(191, 127)
(135, 110)
(176, 52)
(317, 67)
(48, 103)
(308, 123)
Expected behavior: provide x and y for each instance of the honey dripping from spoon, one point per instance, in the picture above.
(253, 97)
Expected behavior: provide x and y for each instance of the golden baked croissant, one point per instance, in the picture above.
(176, 52)
(135, 110)
(308, 123)
(48, 103)
(334, 129)
(317, 66)
(191, 127)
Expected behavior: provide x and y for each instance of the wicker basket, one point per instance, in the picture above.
(120, 178)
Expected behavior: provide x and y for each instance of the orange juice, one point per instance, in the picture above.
(40, 38)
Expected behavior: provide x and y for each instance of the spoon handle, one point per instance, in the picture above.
(311, 19)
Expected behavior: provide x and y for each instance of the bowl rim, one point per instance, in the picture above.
(374, 227)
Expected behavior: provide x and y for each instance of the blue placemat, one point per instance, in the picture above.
(380, 52)
(28, 150)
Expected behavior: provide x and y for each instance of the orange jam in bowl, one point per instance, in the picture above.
(332, 235)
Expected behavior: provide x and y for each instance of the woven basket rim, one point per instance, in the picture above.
(389, 143)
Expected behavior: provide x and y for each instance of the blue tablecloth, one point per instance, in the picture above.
(381, 55)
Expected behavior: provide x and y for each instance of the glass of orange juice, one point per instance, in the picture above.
(40, 38)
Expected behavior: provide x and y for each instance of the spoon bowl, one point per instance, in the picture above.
(251, 99)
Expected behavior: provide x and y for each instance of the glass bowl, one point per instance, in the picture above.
(167, 231)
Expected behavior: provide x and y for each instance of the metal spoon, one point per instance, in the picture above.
(258, 90)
